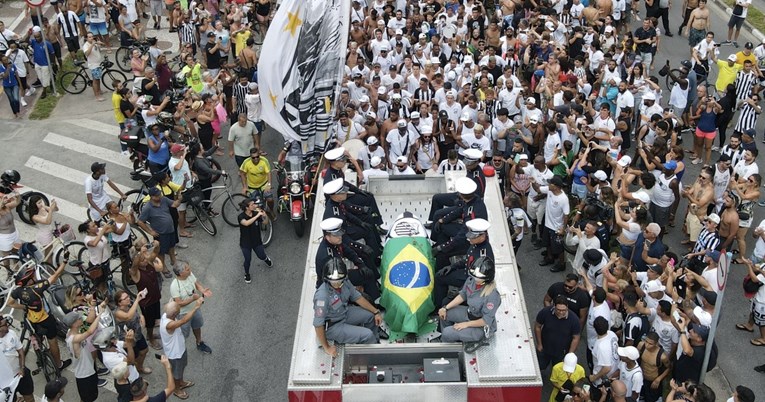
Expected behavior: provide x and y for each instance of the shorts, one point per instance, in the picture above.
(140, 345)
(709, 135)
(197, 321)
(98, 28)
(266, 194)
(166, 242)
(46, 327)
(695, 36)
(177, 366)
(260, 126)
(151, 314)
(693, 224)
(758, 313)
(169, 7)
(536, 210)
(182, 207)
(156, 8)
(7, 240)
(647, 58)
(97, 73)
(82, 17)
(43, 74)
(87, 388)
(72, 44)
(736, 21)
(26, 385)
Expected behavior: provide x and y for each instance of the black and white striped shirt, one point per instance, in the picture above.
(707, 241)
(490, 109)
(744, 84)
(187, 33)
(239, 92)
(68, 23)
(425, 95)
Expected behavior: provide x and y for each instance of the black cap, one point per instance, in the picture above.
(54, 387)
(724, 158)
(748, 45)
(710, 296)
(96, 166)
(556, 181)
(750, 132)
(443, 114)
(154, 191)
(210, 34)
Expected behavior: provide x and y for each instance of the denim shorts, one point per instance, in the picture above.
(98, 28)
(96, 73)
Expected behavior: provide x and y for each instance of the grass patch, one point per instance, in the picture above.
(44, 107)
(754, 16)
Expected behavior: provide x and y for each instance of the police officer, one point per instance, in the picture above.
(337, 159)
(333, 318)
(477, 320)
(449, 231)
(336, 244)
(357, 221)
(474, 172)
(456, 270)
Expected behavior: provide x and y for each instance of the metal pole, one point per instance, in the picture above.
(47, 55)
(715, 318)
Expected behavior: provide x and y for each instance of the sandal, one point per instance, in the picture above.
(757, 342)
(186, 234)
(146, 370)
(686, 242)
(736, 261)
(742, 327)
(186, 384)
(181, 394)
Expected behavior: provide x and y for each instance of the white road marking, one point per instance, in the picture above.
(67, 173)
(88, 149)
(95, 125)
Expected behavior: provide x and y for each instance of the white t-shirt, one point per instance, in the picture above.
(668, 334)
(744, 171)
(745, 9)
(711, 276)
(604, 353)
(596, 311)
(179, 176)
(252, 101)
(556, 208)
(96, 188)
(759, 245)
(11, 344)
(632, 379)
(112, 359)
(552, 142)
(540, 178)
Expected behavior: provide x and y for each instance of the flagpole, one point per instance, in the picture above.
(340, 73)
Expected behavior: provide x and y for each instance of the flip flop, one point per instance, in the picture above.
(147, 370)
(181, 394)
(186, 384)
(187, 235)
(736, 261)
(755, 342)
(742, 327)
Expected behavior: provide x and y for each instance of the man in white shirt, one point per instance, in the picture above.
(625, 98)
(556, 221)
(348, 129)
(746, 166)
(367, 153)
(552, 141)
(535, 204)
(13, 351)
(400, 142)
(603, 126)
(402, 167)
(95, 191)
(604, 356)
(173, 342)
(375, 169)
(630, 372)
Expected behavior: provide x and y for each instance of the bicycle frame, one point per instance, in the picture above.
(224, 187)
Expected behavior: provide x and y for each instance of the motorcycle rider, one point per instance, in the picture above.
(456, 269)
(336, 244)
(357, 221)
(474, 172)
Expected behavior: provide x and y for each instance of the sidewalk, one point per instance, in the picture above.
(723, 8)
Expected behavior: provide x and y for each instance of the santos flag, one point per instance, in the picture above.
(301, 62)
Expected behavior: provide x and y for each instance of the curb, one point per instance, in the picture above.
(722, 7)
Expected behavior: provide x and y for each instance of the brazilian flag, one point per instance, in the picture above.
(407, 271)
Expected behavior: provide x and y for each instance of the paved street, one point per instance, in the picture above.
(250, 327)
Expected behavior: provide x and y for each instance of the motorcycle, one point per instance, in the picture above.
(295, 193)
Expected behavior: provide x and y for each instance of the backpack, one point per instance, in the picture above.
(645, 326)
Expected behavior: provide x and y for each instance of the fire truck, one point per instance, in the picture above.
(421, 368)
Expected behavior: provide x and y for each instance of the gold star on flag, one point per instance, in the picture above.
(293, 22)
(273, 97)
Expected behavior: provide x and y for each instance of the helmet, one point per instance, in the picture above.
(10, 176)
(103, 338)
(258, 200)
(166, 119)
(335, 269)
(687, 64)
(24, 275)
(483, 269)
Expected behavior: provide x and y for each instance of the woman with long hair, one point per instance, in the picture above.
(9, 235)
(42, 215)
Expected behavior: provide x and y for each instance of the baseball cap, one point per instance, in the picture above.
(402, 159)
(556, 181)
(376, 160)
(138, 387)
(629, 352)
(531, 100)
(714, 218)
(176, 148)
(96, 166)
(624, 161)
(601, 175)
(714, 255)
(649, 96)
(710, 296)
(465, 117)
(401, 123)
(656, 268)
(154, 191)
(70, 318)
(702, 330)
(372, 140)
(654, 286)
(732, 57)
(748, 45)
(54, 387)
(399, 31)
(415, 115)
(569, 362)
(36, 29)
(704, 317)
(670, 165)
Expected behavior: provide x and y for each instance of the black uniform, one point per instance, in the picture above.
(450, 236)
(457, 276)
(359, 197)
(357, 224)
(450, 199)
(352, 252)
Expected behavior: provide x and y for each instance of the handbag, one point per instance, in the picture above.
(745, 210)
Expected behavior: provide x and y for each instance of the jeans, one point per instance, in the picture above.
(13, 97)
(259, 250)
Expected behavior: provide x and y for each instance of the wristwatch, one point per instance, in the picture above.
(377, 312)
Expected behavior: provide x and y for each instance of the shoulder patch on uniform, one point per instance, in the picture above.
(320, 303)
(490, 306)
(319, 312)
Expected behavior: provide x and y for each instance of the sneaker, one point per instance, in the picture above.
(715, 148)
(761, 203)
(247, 278)
(102, 383)
(735, 44)
(102, 371)
(37, 84)
(65, 363)
(726, 42)
(696, 161)
(30, 91)
(23, 103)
(182, 245)
(125, 153)
(269, 262)
(202, 347)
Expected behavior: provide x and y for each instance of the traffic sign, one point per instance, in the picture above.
(722, 269)
(35, 3)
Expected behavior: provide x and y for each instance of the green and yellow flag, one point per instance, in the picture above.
(407, 271)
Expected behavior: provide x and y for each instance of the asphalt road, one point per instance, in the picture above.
(250, 327)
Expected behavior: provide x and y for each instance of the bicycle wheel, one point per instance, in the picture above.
(110, 76)
(231, 210)
(11, 263)
(68, 279)
(133, 201)
(74, 249)
(266, 232)
(46, 271)
(128, 284)
(48, 365)
(73, 82)
(137, 235)
(122, 58)
(84, 256)
(216, 166)
(23, 208)
(669, 82)
(204, 220)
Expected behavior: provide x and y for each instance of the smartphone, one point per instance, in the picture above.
(158, 356)
(586, 388)
(676, 315)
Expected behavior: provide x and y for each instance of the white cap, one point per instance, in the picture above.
(381, 90)
(451, 76)
(376, 160)
(399, 31)
(435, 60)
(334, 187)
(465, 186)
(468, 59)
(371, 114)
(384, 46)
(466, 83)
(625, 160)
(423, 36)
(478, 225)
(426, 130)
(396, 96)
(629, 352)
(465, 116)
(401, 123)
(523, 157)
(650, 95)
(372, 140)
(732, 57)
(472, 154)
(331, 224)
(703, 316)
(533, 120)
(654, 286)
(550, 25)
(609, 28)
(601, 175)
(642, 196)
(402, 159)
(569, 362)
(415, 115)
(380, 22)
(334, 154)
(364, 99)
(714, 218)
(36, 29)
(253, 85)
(531, 100)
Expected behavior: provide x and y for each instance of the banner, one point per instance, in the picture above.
(407, 272)
(301, 63)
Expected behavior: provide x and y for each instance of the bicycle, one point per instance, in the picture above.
(39, 343)
(75, 82)
(26, 257)
(124, 53)
(231, 210)
(88, 278)
(134, 198)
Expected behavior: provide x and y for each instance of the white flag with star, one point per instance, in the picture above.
(301, 63)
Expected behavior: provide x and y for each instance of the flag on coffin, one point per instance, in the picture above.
(407, 271)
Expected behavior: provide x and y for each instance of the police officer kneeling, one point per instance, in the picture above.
(449, 231)
(357, 221)
(445, 200)
(334, 319)
(477, 320)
